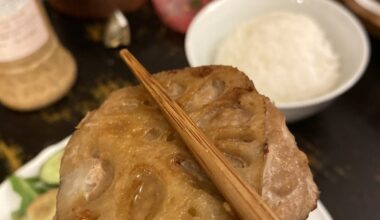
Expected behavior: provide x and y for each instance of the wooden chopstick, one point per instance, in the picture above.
(245, 201)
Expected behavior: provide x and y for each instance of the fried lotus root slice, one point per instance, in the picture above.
(126, 162)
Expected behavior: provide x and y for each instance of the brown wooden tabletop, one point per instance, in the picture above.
(342, 142)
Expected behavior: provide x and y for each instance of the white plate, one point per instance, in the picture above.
(10, 201)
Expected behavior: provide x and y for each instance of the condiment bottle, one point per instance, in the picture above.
(35, 70)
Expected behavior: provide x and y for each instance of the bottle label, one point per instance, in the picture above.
(22, 29)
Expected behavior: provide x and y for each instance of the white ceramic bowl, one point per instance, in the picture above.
(347, 36)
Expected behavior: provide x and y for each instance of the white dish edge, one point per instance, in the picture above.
(9, 200)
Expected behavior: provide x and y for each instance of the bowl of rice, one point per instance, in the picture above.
(302, 54)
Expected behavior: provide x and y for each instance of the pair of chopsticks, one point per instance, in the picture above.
(245, 201)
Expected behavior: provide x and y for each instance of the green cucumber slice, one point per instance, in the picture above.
(49, 172)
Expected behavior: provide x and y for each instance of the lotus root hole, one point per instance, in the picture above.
(192, 212)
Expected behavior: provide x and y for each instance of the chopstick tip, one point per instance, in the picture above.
(124, 52)
(127, 56)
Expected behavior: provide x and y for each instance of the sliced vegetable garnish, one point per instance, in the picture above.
(27, 193)
(49, 172)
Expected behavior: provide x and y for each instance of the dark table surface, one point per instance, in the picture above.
(342, 142)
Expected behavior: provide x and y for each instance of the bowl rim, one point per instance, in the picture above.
(334, 93)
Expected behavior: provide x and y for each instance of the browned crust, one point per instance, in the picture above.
(297, 194)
